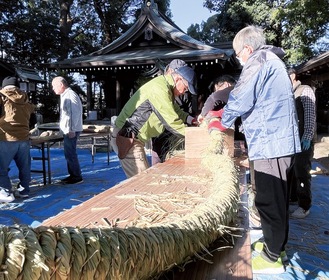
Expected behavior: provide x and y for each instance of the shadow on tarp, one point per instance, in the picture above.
(308, 244)
(47, 201)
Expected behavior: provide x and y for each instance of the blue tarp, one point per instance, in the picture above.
(47, 201)
(308, 243)
(307, 248)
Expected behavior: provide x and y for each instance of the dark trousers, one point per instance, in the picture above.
(163, 143)
(299, 178)
(272, 202)
(71, 156)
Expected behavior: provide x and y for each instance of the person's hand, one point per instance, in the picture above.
(200, 118)
(306, 144)
(195, 122)
(71, 134)
(215, 114)
(192, 121)
(216, 125)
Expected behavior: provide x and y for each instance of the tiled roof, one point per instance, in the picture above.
(26, 74)
(29, 74)
(316, 63)
(152, 37)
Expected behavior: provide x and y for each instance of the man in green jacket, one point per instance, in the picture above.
(150, 111)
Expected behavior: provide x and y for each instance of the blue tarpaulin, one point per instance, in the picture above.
(307, 248)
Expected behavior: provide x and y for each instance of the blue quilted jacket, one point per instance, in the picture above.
(263, 97)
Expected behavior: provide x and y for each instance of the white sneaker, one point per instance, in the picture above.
(300, 213)
(254, 220)
(293, 208)
(5, 196)
(20, 188)
(19, 192)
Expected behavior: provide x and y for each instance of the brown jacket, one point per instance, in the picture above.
(15, 114)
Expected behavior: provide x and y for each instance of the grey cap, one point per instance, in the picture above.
(189, 75)
(175, 64)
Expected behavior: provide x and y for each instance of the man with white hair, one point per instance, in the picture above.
(70, 125)
(264, 99)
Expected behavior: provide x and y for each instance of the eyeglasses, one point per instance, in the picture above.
(238, 54)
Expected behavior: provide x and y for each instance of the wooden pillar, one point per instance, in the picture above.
(101, 90)
(89, 94)
(118, 96)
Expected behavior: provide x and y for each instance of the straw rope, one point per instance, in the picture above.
(156, 242)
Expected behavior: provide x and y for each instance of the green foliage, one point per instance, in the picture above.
(295, 25)
(48, 105)
(35, 32)
(24, 32)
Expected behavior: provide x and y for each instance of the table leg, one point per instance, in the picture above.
(93, 148)
(43, 163)
(48, 159)
(108, 149)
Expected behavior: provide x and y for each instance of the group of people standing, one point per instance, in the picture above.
(15, 113)
(278, 119)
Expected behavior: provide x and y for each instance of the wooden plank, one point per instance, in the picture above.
(227, 264)
(117, 203)
(38, 140)
(197, 140)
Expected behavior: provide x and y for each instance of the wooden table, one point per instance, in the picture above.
(93, 134)
(94, 144)
(45, 143)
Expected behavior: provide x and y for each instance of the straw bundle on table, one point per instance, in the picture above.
(142, 251)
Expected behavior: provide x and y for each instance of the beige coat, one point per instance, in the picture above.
(15, 114)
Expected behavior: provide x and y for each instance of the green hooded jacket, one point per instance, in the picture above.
(151, 109)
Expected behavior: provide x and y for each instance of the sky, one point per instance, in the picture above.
(187, 12)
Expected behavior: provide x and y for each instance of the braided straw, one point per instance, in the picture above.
(155, 243)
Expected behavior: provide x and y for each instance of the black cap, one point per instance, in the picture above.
(10, 81)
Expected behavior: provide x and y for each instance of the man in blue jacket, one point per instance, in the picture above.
(264, 99)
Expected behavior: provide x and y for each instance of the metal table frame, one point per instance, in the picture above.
(45, 143)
